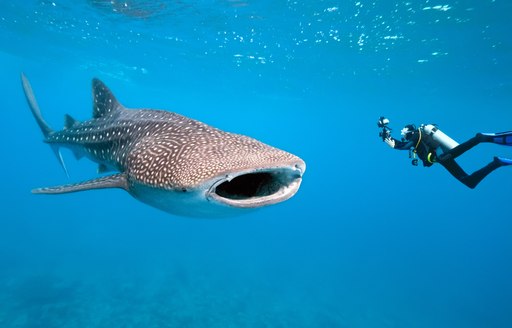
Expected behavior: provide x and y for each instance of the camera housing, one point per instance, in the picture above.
(382, 122)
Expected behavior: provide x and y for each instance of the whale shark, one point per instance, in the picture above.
(169, 161)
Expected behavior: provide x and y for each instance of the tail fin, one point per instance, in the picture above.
(45, 128)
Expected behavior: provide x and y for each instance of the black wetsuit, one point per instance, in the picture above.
(422, 149)
(426, 151)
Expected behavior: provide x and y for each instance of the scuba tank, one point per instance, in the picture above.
(439, 138)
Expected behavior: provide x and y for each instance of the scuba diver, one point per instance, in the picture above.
(431, 145)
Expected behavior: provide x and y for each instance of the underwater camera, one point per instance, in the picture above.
(383, 123)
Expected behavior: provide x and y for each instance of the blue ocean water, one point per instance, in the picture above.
(368, 241)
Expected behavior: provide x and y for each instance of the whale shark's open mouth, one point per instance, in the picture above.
(258, 188)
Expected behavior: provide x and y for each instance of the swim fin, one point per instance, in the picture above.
(501, 138)
(503, 161)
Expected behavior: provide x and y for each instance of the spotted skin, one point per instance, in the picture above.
(157, 151)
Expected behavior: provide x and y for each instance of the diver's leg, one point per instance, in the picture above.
(451, 166)
(473, 179)
(502, 138)
(462, 148)
(479, 175)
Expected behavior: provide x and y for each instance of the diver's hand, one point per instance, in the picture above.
(390, 141)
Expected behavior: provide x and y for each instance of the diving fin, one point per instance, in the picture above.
(501, 138)
(503, 161)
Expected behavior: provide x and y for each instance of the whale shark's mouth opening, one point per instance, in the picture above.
(260, 188)
(249, 185)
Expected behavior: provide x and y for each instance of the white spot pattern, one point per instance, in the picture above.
(161, 148)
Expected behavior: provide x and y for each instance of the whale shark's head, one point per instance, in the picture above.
(221, 175)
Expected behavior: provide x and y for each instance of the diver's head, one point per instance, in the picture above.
(409, 131)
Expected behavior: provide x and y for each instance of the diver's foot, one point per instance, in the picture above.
(503, 161)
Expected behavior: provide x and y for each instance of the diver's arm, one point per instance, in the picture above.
(397, 144)
(385, 134)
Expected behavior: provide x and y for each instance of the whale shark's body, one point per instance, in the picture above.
(172, 162)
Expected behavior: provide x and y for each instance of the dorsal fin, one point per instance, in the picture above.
(69, 121)
(104, 100)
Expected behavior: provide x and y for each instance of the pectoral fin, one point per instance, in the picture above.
(112, 181)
